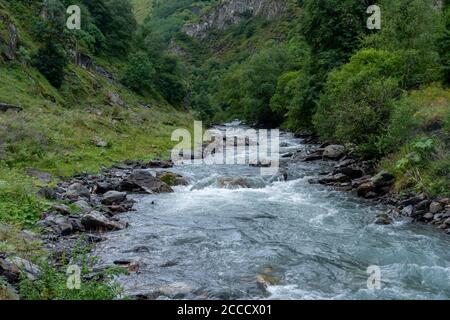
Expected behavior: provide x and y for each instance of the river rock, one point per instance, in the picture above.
(163, 164)
(42, 176)
(383, 219)
(104, 186)
(61, 209)
(232, 183)
(77, 190)
(317, 155)
(144, 181)
(59, 224)
(334, 152)
(428, 216)
(28, 268)
(172, 179)
(9, 271)
(47, 193)
(366, 190)
(383, 179)
(83, 206)
(114, 197)
(334, 178)
(436, 207)
(7, 292)
(352, 173)
(98, 222)
(408, 210)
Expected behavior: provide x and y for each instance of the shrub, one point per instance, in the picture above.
(139, 73)
(358, 99)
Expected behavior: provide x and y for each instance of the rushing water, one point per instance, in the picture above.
(275, 240)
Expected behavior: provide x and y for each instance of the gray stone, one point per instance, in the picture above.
(383, 219)
(62, 209)
(383, 179)
(113, 197)
(60, 224)
(334, 152)
(28, 268)
(83, 206)
(4, 107)
(428, 216)
(77, 190)
(98, 222)
(144, 181)
(366, 190)
(47, 193)
(408, 210)
(436, 207)
(172, 179)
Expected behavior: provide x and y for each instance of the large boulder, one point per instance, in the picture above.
(9, 38)
(157, 163)
(383, 179)
(143, 181)
(61, 225)
(172, 179)
(436, 207)
(232, 183)
(30, 270)
(114, 197)
(366, 190)
(334, 152)
(95, 221)
(334, 178)
(77, 190)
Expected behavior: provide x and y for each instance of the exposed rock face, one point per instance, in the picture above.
(231, 12)
(9, 39)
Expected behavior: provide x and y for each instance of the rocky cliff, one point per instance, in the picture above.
(230, 12)
(9, 39)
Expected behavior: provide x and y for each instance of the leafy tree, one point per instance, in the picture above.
(51, 59)
(139, 74)
(444, 45)
(358, 98)
(413, 27)
(249, 87)
(122, 26)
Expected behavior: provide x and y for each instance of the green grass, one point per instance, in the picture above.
(422, 162)
(142, 9)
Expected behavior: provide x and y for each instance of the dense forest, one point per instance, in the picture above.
(75, 101)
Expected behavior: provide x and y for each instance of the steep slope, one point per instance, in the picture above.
(228, 13)
(90, 122)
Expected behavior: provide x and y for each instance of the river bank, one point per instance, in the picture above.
(132, 205)
(361, 178)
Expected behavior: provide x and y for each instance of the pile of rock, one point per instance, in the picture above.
(351, 175)
(96, 200)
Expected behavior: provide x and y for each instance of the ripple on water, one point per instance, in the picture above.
(208, 242)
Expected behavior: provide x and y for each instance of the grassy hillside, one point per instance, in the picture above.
(88, 123)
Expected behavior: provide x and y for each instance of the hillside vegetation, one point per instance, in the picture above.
(76, 117)
(314, 66)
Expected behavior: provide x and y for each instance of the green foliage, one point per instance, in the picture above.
(18, 202)
(51, 59)
(358, 98)
(120, 29)
(444, 46)
(333, 28)
(412, 27)
(52, 284)
(139, 73)
(247, 88)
